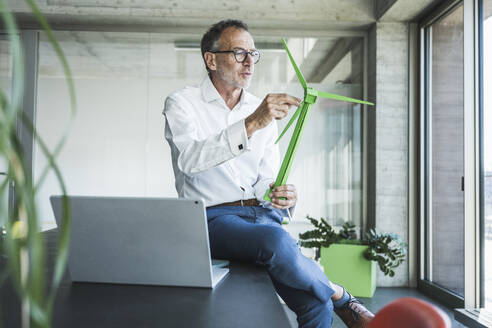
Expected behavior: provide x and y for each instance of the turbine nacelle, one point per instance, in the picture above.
(310, 96)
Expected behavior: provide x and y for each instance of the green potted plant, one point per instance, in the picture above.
(350, 261)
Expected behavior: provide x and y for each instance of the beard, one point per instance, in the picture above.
(233, 79)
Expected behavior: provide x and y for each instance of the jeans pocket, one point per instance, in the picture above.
(269, 216)
(278, 215)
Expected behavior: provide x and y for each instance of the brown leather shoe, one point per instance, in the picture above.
(354, 314)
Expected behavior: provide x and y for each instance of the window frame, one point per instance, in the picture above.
(472, 151)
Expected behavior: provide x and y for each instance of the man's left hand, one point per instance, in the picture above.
(288, 192)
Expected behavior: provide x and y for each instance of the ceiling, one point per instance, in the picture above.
(324, 58)
(194, 15)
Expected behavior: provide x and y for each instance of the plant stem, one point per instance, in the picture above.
(24, 266)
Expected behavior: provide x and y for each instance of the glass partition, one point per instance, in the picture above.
(116, 146)
(6, 87)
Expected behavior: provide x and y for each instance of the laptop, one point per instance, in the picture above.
(148, 241)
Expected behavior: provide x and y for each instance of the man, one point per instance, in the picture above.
(223, 151)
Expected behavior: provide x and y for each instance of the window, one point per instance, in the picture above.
(443, 144)
(455, 141)
(487, 148)
(446, 152)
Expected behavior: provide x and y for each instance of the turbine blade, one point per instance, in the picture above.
(342, 98)
(296, 69)
(292, 119)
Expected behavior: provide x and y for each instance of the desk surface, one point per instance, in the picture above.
(245, 298)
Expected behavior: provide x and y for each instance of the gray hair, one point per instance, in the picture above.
(211, 38)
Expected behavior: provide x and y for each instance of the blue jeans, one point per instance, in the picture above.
(255, 234)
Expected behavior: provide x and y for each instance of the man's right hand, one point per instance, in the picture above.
(274, 106)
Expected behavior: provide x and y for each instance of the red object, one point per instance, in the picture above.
(409, 312)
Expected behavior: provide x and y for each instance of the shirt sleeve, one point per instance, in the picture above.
(196, 155)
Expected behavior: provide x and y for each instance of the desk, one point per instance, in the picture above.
(246, 298)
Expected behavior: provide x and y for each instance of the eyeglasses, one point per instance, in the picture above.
(241, 54)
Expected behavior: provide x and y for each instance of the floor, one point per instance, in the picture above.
(381, 297)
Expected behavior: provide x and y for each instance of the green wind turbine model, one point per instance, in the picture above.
(310, 96)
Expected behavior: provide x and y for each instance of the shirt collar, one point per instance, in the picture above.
(210, 93)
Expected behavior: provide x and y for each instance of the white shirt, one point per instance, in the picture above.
(213, 159)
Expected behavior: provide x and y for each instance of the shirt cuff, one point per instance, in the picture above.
(261, 188)
(237, 137)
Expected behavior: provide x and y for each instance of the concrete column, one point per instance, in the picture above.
(387, 144)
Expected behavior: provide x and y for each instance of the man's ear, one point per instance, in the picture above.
(210, 61)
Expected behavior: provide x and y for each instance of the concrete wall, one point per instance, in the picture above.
(387, 136)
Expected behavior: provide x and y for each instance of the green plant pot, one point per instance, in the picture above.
(345, 265)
